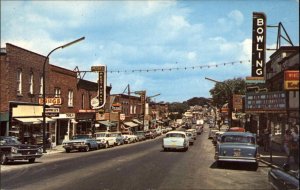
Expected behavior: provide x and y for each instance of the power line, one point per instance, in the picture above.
(179, 68)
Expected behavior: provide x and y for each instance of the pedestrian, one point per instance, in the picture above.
(266, 139)
(294, 146)
(288, 138)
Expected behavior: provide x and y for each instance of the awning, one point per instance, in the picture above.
(131, 124)
(137, 121)
(34, 120)
(107, 123)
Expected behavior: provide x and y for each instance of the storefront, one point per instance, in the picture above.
(26, 122)
(64, 128)
(85, 122)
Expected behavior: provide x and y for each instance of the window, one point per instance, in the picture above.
(31, 83)
(70, 98)
(41, 85)
(19, 82)
(57, 92)
(82, 101)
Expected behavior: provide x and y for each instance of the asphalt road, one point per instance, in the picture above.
(142, 165)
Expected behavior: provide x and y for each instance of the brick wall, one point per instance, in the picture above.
(28, 62)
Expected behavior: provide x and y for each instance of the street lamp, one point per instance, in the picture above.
(229, 101)
(44, 88)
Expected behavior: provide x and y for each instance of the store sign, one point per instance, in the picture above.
(258, 44)
(291, 80)
(122, 117)
(101, 87)
(116, 107)
(51, 101)
(265, 102)
(237, 102)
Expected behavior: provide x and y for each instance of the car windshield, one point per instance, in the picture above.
(10, 141)
(237, 139)
(81, 137)
(175, 135)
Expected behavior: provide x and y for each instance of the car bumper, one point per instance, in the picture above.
(23, 157)
(236, 159)
(75, 147)
(173, 147)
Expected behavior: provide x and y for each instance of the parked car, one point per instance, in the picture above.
(212, 132)
(190, 136)
(11, 149)
(237, 147)
(154, 133)
(149, 134)
(216, 137)
(106, 139)
(140, 135)
(283, 179)
(129, 138)
(80, 143)
(176, 140)
(119, 139)
(236, 129)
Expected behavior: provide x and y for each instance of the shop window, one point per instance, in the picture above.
(19, 82)
(70, 98)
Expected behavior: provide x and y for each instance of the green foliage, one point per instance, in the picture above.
(221, 92)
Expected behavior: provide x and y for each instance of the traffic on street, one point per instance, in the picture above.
(142, 165)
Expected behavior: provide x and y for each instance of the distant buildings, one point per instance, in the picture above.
(21, 107)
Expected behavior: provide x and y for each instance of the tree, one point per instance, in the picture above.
(221, 92)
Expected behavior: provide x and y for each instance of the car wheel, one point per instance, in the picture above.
(68, 150)
(87, 148)
(106, 145)
(31, 160)
(4, 159)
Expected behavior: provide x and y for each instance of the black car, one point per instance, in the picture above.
(283, 179)
(11, 149)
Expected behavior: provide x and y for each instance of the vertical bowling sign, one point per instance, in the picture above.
(101, 84)
(143, 101)
(258, 44)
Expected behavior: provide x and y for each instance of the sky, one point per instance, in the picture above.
(178, 42)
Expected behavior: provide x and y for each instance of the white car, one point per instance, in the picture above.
(106, 138)
(130, 138)
(176, 140)
(194, 132)
(212, 133)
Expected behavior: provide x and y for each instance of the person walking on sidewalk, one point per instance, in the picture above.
(295, 145)
(266, 139)
(288, 138)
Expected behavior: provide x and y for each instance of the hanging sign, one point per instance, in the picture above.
(258, 44)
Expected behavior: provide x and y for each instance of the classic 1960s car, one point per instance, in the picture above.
(176, 140)
(284, 179)
(237, 147)
(11, 149)
(80, 142)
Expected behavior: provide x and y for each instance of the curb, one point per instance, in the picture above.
(269, 164)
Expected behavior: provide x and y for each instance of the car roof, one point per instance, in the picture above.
(239, 134)
(178, 132)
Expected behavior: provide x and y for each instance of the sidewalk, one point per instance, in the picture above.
(278, 158)
(56, 149)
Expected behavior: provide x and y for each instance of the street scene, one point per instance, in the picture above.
(149, 95)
